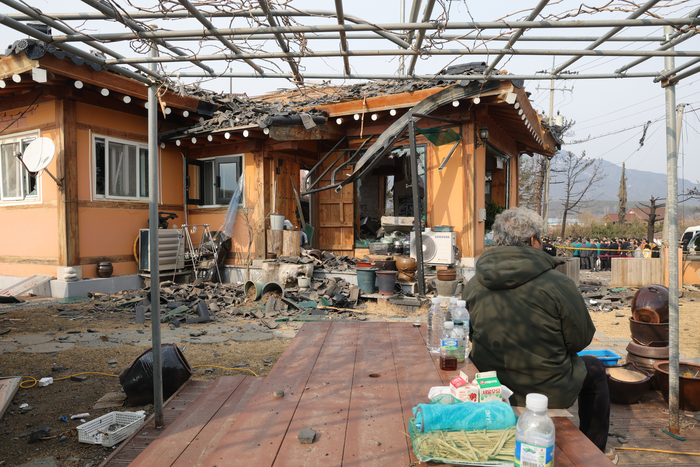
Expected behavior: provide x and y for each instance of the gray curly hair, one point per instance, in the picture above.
(516, 226)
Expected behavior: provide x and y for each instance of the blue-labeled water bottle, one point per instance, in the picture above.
(534, 434)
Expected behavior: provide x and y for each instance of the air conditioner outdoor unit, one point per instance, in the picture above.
(438, 247)
(171, 250)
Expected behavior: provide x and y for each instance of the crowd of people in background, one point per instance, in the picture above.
(596, 254)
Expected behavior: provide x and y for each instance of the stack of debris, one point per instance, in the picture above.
(599, 299)
(323, 261)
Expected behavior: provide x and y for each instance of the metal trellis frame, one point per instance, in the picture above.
(409, 37)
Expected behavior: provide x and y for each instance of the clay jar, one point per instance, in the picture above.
(650, 304)
(406, 265)
(104, 270)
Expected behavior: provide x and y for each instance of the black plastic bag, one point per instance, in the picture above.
(137, 378)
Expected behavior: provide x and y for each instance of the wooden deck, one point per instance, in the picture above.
(355, 384)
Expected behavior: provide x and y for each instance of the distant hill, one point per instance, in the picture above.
(641, 185)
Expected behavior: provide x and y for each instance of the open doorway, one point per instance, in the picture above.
(386, 190)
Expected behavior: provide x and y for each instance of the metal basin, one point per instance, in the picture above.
(689, 386)
(627, 383)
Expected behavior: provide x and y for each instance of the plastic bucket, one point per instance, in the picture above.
(366, 278)
(386, 280)
(258, 285)
(276, 222)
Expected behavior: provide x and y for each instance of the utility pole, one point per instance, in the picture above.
(671, 219)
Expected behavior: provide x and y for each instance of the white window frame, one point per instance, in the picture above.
(19, 138)
(241, 202)
(107, 140)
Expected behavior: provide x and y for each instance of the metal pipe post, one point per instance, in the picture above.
(548, 162)
(416, 206)
(154, 263)
(672, 220)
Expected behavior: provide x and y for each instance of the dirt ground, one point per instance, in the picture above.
(66, 397)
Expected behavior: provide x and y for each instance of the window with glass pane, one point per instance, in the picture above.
(121, 169)
(16, 183)
(228, 179)
(143, 169)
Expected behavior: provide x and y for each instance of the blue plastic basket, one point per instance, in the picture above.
(606, 356)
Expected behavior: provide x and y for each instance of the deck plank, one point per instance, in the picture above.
(324, 406)
(415, 371)
(375, 410)
(211, 435)
(256, 436)
(576, 446)
(165, 450)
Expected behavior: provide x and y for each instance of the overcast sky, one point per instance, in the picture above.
(616, 108)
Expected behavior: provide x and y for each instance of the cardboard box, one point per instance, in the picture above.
(462, 389)
(489, 386)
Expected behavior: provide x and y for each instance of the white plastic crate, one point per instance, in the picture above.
(110, 429)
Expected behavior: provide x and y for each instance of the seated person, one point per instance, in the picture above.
(528, 322)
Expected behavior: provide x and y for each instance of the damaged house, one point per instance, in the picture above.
(345, 150)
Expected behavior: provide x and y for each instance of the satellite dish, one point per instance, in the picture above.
(39, 154)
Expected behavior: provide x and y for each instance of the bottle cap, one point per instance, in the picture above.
(536, 402)
(453, 300)
(462, 303)
(449, 325)
(435, 301)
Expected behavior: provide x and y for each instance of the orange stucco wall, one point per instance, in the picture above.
(107, 228)
(29, 233)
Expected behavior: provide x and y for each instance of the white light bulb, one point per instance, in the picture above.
(227, 135)
(168, 110)
(245, 133)
(339, 121)
(177, 143)
(477, 100)
(375, 117)
(357, 116)
(455, 103)
(127, 99)
(210, 138)
(78, 85)
(104, 92)
(194, 140)
(185, 114)
(162, 145)
(16, 78)
(392, 112)
(266, 131)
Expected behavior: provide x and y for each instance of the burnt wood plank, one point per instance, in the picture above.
(209, 438)
(256, 436)
(167, 448)
(324, 406)
(375, 409)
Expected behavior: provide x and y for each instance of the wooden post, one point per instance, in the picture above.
(67, 173)
(291, 244)
(275, 240)
(257, 191)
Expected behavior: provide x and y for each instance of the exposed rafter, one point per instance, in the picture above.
(108, 11)
(636, 14)
(533, 14)
(343, 38)
(207, 24)
(421, 35)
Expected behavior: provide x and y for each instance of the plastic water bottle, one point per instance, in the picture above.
(436, 323)
(448, 348)
(534, 434)
(461, 315)
(450, 309)
(459, 333)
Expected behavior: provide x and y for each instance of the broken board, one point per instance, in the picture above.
(8, 389)
(39, 284)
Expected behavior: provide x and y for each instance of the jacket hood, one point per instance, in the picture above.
(508, 267)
